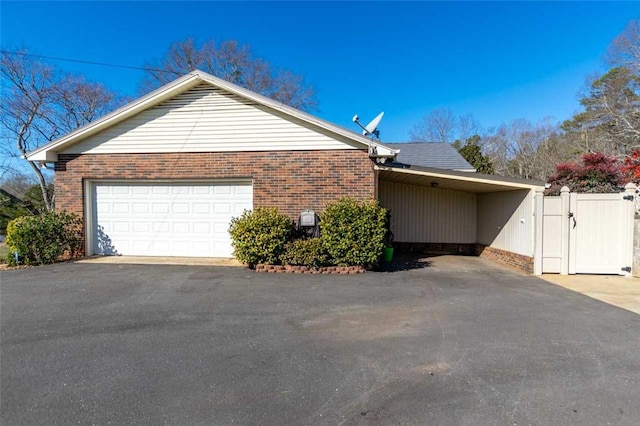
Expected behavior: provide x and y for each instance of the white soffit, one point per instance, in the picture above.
(455, 181)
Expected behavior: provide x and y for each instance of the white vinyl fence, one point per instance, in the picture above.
(585, 233)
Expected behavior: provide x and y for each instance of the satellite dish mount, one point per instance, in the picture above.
(370, 129)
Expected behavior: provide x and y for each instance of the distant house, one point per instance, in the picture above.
(437, 155)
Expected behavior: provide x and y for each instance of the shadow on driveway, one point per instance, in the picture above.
(404, 262)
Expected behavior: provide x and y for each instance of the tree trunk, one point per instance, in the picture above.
(43, 186)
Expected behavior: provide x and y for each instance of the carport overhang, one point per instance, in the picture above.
(497, 215)
(454, 180)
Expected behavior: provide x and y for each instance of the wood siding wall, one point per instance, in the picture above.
(208, 119)
(505, 221)
(427, 215)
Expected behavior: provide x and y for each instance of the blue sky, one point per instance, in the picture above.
(497, 61)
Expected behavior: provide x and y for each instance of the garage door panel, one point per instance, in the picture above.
(140, 208)
(167, 219)
(141, 227)
(159, 189)
(221, 228)
(179, 190)
(180, 208)
(222, 208)
(202, 227)
(202, 190)
(160, 248)
(123, 246)
(120, 190)
(238, 208)
(246, 190)
(103, 208)
(122, 208)
(121, 227)
(201, 208)
(181, 228)
(138, 246)
(160, 227)
(160, 208)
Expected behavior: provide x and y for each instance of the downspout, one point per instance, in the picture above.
(376, 175)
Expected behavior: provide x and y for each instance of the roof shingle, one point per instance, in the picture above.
(431, 154)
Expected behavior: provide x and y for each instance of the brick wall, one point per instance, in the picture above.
(289, 180)
(514, 260)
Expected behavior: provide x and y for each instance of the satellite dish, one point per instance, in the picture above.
(370, 129)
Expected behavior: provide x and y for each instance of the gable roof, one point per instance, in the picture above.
(48, 152)
(431, 154)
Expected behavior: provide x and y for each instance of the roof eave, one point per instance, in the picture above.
(475, 179)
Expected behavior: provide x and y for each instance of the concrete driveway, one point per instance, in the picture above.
(457, 341)
(616, 290)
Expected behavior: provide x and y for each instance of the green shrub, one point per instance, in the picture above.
(309, 252)
(44, 238)
(353, 232)
(260, 236)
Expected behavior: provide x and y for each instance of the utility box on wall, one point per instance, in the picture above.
(309, 223)
(308, 218)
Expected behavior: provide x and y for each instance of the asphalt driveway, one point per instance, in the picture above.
(459, 342)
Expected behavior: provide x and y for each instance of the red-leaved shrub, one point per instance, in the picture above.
(632, 166)
(596, 173)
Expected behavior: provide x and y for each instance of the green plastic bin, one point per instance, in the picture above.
(387, 254)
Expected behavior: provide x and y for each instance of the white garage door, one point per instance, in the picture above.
(166, 219)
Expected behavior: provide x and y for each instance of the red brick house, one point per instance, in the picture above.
(164, 175)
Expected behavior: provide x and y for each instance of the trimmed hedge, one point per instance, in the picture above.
(310, 252)
(260, 236)
(43, 239)
(353, 233)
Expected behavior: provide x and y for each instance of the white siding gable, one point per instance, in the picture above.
(209, 119)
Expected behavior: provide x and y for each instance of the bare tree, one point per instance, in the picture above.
(441, 125)
(514, 148)
(41, 103)
(468, 126)
(437, 126)
(232, 62)
(624, 50)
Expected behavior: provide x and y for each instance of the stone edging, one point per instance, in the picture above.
(289, 269)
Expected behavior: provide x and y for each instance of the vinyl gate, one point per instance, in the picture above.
(588, 233)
